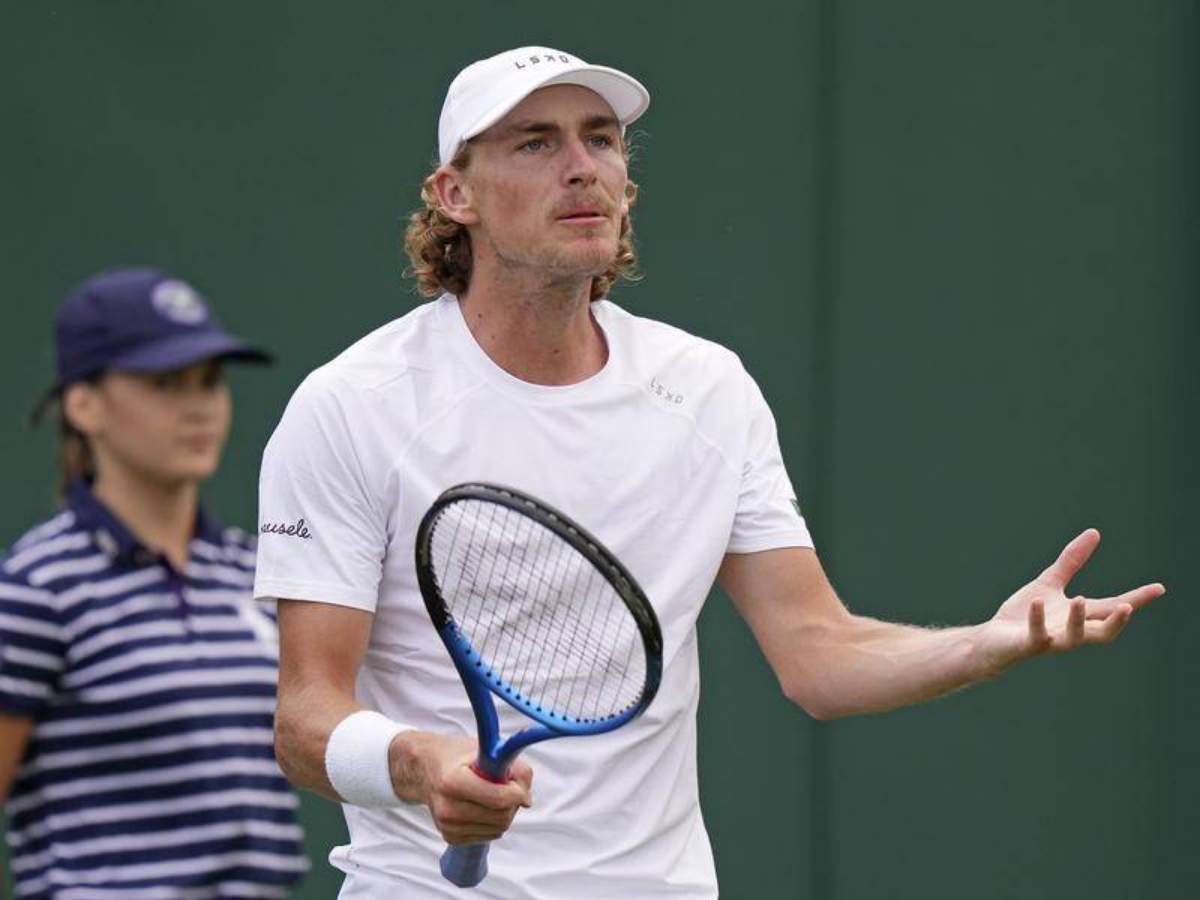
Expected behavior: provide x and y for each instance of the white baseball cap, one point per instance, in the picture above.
(485, 91)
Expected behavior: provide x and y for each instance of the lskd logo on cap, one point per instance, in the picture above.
(179, 303)
(534, 60)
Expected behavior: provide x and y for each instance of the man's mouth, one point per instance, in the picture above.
(582, 214)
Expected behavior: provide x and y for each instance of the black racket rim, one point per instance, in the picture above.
(567, 529)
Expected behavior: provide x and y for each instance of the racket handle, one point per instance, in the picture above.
(465, 864)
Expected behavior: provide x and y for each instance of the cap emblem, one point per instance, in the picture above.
(527, 61)
(178, 302)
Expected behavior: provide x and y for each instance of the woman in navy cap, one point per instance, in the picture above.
(137, 673)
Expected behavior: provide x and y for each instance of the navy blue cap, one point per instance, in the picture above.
(138, 320)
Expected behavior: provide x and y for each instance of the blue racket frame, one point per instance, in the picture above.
(466, 865)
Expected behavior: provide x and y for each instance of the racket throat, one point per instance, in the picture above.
(485, 769)
(495, 757)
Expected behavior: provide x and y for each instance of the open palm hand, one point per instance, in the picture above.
(1041, 618)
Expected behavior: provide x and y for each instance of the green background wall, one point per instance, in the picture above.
(956, 243)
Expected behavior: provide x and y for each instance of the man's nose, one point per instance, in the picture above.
(580, 164)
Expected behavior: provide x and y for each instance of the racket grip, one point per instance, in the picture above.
(465, 865)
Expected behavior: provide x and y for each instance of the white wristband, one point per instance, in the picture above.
(356, 759)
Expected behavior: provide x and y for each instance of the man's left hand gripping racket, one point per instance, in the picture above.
(536, 611)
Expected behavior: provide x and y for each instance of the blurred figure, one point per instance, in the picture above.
(137, 673)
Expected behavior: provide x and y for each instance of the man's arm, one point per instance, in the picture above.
(321, 648)
(834, 663)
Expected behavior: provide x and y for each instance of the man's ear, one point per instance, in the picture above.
(628, 197)
(454, 195)
(83, 408)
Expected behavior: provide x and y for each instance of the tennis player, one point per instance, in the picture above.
(520, 371)
(137, 674)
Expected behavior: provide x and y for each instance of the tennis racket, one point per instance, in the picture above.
(536, 611)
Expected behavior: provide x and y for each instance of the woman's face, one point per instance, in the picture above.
(166, 427)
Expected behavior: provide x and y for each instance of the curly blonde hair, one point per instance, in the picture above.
(439, 249)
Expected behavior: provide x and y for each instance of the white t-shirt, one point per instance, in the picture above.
(669, 455)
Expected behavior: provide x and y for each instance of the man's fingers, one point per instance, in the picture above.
(1037, 624)
(1075, 622)
(1103, 607)
(465, 821)
(463, 828)
(1060, 572)
(464, 814)
(1098, 610)
(466, 807)
(1140, 596)
(521, 773)
(1107, 630)
(1092, 629)
(476, 789)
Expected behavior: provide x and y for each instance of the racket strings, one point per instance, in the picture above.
(568, 656)
(539, 613)
(472, 565)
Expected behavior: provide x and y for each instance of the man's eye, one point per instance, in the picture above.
(533, 145)
(601, 140)
(166, 380)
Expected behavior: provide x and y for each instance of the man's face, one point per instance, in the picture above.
(547, 184)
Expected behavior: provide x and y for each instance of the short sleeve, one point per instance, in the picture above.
(768, 511)
(32, 650)
(322, 535)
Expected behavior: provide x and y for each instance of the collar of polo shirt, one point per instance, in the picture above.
(112, 536)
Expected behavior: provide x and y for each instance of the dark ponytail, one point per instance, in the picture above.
(74, 456)
(75, 459)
